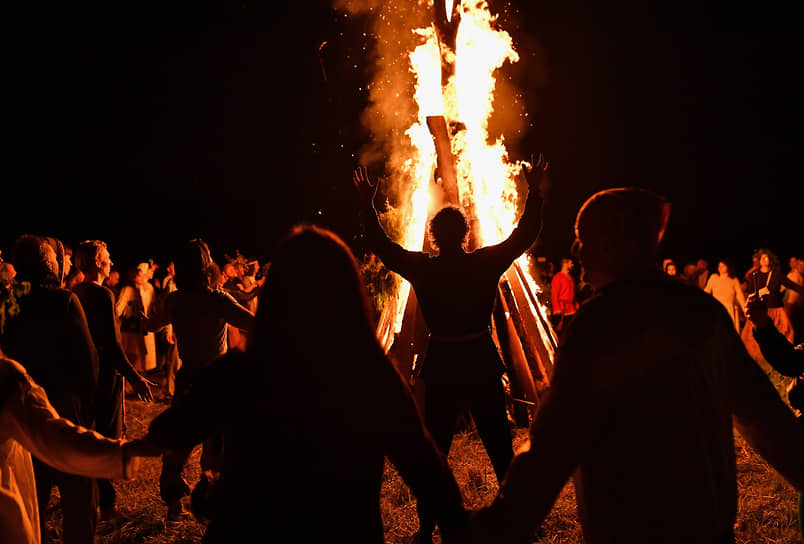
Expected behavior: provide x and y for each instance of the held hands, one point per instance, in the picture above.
(363, 185)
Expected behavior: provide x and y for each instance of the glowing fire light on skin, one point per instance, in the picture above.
(486, 176)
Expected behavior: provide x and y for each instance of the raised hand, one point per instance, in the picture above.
(363, 184)
(537, 172)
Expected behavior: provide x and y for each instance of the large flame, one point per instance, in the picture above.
(487, 178)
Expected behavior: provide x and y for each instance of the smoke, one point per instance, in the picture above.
(392, 109)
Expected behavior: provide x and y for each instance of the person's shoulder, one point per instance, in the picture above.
(91, 289)
(13, 378)
(221, 294)
(11, 370)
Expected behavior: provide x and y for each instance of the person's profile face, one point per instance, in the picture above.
(722, 269)
(105, 263)
(68, 264)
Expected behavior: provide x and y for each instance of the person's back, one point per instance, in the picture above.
(50, 335)
(199, 322)
(330, 406)
(662, 467)
(457, 291)
(640, 410)
(321, 472)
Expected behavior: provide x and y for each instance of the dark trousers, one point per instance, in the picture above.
(444, 404)
(172, 485)
(109, 422)
(79, 501)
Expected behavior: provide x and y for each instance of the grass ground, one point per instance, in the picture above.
(767, 504)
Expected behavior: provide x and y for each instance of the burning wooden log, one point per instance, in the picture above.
(446, 19)
(521, 384)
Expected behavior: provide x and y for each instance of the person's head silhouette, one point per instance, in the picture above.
(313, 297)
(448, 230)
(618, 232)
(192, 265)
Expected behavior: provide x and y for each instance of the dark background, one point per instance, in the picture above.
(146, 126)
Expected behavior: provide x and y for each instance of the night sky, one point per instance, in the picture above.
(145, 127)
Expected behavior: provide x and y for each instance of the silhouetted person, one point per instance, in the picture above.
(310, 411)
(640, 410)
(456, 290)
(199, 315)
(93, 260)
(50, 337)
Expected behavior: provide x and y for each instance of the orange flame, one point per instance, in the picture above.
(487, 178)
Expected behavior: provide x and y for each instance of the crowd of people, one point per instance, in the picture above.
(640, 409)
(563, 291)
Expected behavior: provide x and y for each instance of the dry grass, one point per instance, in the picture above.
(767, 504)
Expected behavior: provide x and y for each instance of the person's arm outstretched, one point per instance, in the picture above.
(530, 223)
(33, 422)
(762, 417)
(198, 414)
(777, 350)
(235, 313)
(394, 256)
(793, 286)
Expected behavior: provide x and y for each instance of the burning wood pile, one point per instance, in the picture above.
(450, 161)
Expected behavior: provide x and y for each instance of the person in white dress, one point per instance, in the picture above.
(132, 306)
(725, 287)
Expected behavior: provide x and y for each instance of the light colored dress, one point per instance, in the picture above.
(728, 292)
(140, 347)
(30, 425)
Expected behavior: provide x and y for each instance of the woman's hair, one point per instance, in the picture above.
(775, 263)
(30, 260)
(314, 302)
(729, 267)
(192, 264)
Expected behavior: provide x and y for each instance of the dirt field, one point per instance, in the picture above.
(767, 507)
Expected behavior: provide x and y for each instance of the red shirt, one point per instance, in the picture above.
(563, 293)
